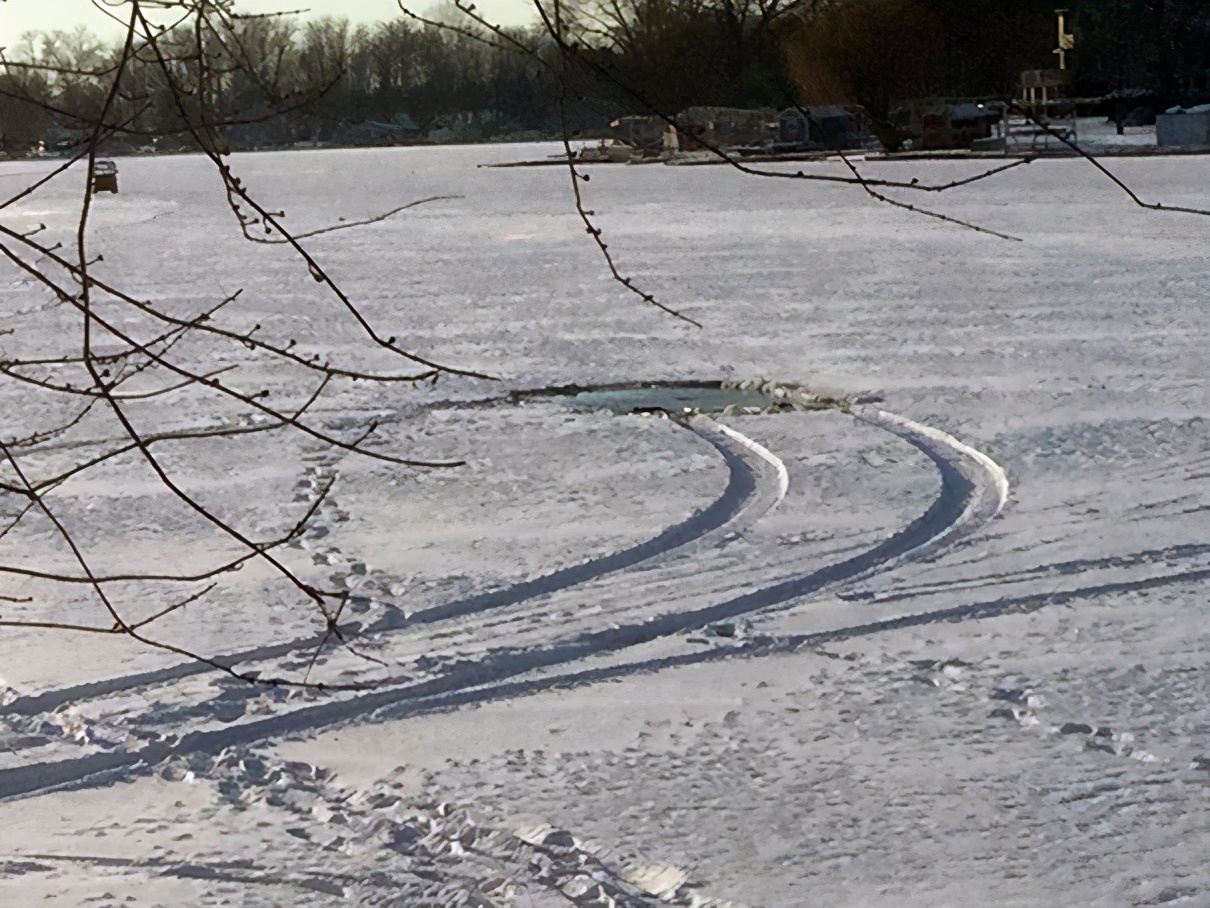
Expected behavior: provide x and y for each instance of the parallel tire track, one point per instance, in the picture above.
(973, 489)
(743, 490)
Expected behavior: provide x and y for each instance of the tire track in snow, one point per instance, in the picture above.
(769, 645)
(1172, 556)
(783, 476)
(967, 476)
(741, 495)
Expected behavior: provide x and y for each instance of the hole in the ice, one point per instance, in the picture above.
(680, 398)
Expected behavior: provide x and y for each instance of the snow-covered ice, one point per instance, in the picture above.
(1017, 716)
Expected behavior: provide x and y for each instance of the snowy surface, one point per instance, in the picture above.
(1097, 134)
(1033, 733)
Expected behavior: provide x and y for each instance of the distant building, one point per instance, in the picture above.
(696, 128)
(1183, 126)
(646, 133)
(468, 126)
(400, 129)
(821, 128)
(724, 127)
(931, 125)
(62, 141)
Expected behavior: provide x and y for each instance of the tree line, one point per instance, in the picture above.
(276, 80)
(869, 51)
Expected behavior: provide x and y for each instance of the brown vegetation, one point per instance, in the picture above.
(878, 53)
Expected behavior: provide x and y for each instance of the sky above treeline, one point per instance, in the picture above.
(20, 16)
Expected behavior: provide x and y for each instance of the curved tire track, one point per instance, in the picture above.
(741, 497)
(968, 479)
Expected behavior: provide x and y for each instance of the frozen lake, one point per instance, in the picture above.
(799, 657)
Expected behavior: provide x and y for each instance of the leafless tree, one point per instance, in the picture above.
(100, 383)
(101, 380)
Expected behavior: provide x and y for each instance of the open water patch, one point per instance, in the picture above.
(681, 398)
